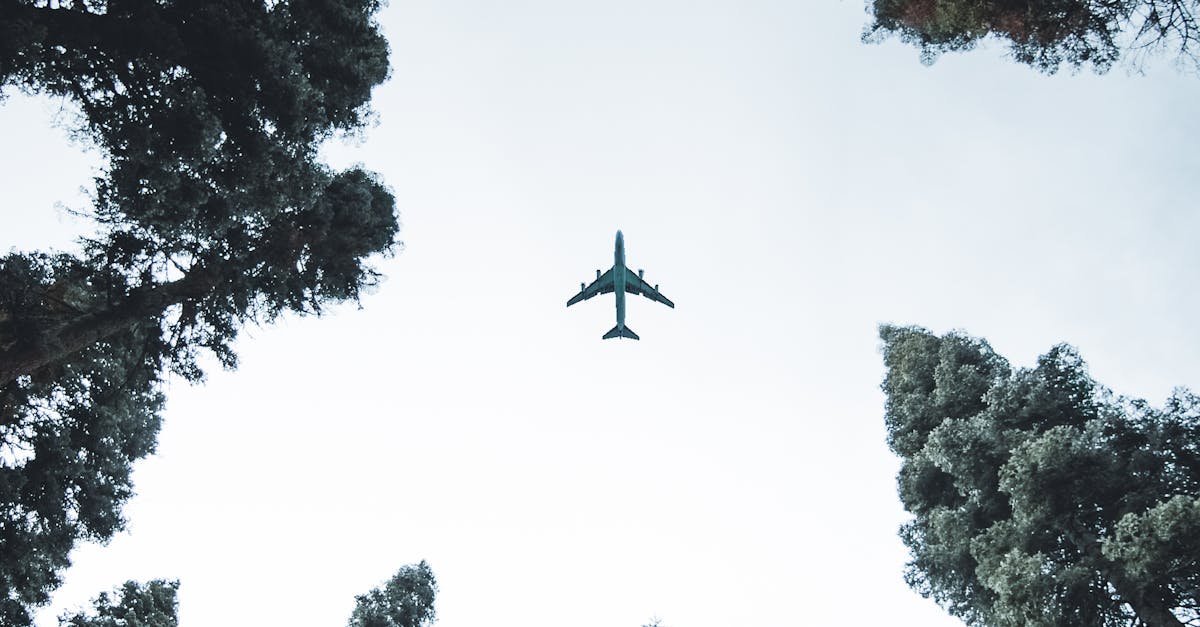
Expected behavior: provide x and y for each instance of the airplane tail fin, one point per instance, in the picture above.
(618, 331)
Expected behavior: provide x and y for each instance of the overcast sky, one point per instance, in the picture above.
(787, 186)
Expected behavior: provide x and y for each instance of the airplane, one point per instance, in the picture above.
(620, 279)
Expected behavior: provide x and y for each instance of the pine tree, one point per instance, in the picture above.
(134, 605)
(405, 600)
(1039, 498)
(213, 211)
(1043, 33)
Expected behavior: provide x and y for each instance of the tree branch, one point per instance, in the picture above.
(94, 327)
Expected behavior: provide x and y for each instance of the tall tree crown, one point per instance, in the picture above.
(1039, 498)
(405, 600)
(133, 605)
(212, 211)
(1044, 34)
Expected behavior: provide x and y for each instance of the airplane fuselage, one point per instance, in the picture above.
(619, 278)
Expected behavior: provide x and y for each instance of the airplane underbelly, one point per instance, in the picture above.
(619, 292)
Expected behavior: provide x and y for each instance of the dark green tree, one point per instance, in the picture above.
(1039, 498)
(1043, 33)
(135, 605)
(213, 211)
(406, 600)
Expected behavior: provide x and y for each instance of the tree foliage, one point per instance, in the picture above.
(213, 211)
(135, 605)
(1043, 33)
(1039, 498)
(406, 600)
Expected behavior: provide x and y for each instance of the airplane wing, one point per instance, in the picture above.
(602, 285)
(635, 285)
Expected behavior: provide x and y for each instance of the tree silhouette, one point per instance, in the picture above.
(406, 600)
(135, 605)
(213, 211)
(1043, 33)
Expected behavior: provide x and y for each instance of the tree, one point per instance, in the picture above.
(1042, 33)
(1039, 498)
(151, 605)
(213, 211)
(406, 600)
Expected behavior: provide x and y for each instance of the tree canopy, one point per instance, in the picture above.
(1038, 497)
(135, 605)
(405, 600)
(212, 211)
(1043, 33)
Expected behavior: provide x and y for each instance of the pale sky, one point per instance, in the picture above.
(787, 186)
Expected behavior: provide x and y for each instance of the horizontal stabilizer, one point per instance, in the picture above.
(619, 331)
